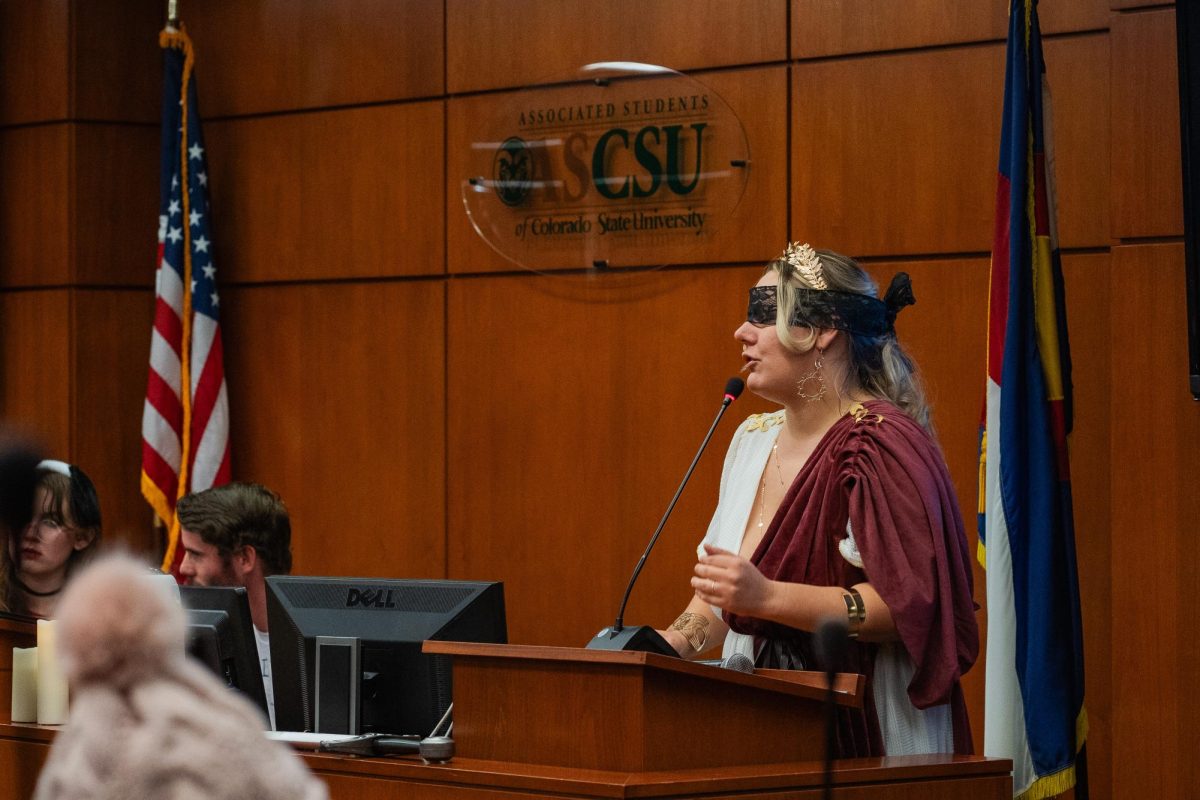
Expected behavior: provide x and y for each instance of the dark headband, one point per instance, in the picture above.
(859, 314)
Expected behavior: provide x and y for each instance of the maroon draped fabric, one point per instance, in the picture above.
(885, 474)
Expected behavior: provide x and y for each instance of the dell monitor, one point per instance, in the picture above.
(221, 636)
(382, 682)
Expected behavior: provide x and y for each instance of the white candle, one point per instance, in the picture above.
(52, 684)
(24, 684)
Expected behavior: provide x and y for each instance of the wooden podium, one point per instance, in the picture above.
(631, 711)
(587, 723)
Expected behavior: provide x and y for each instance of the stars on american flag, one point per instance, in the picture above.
(210, 283)
(189, 226)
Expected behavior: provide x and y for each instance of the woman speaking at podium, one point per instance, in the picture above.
(840, 506)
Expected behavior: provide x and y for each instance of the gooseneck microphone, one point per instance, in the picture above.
(644, 637)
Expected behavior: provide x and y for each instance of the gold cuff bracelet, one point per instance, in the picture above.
(856, 611)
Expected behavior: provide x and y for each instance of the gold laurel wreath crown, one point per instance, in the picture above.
(807, 263)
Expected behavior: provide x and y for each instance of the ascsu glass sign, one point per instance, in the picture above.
(579, 173)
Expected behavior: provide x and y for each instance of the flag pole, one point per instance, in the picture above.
(172, 15)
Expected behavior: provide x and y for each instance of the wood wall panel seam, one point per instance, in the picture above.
(308, 54)
(35, 208)
(1132, 9)
(33, 61)
(696, 73)
(936, 48)
(485, 50)
(286, 113)
(936, 150)
(357, 280)
(846, 27)
(106, 287)
(1147, 190)
(344, 214)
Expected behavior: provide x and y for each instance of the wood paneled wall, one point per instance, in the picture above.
(78, 216)
(427, 410)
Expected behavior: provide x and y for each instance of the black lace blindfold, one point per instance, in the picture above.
(827, 308)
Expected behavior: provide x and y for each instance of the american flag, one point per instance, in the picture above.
(185, 436)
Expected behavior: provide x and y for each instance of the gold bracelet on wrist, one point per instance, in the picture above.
(856, 611)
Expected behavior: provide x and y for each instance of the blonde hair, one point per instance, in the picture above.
(879, 364)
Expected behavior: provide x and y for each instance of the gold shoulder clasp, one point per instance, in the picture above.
(863, 415)
(764, 422)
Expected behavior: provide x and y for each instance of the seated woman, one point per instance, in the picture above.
(62, 535)
(840, 506)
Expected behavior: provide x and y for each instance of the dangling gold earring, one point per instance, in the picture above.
(817, 375)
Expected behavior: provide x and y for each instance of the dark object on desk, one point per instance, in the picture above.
(432, 749)
(641, 638)
(221, 636)
(736, 662)
(401, 689)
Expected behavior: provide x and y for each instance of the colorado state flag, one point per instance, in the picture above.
(1034, 712)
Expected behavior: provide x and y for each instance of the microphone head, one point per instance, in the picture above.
(733, 388)
(739, 662)
(832, 640)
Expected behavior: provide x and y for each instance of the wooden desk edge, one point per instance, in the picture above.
(755, 777)
(500, 775)
(848, 687)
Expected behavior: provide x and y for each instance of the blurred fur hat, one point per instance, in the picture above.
(117, 628)
(145, 721)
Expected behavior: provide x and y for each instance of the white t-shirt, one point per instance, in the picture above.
(263, 640)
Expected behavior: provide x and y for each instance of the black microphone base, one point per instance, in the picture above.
(640, 638)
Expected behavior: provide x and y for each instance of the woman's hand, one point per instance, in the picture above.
(730, 582)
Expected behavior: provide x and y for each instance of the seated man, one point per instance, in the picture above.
(237, 535)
